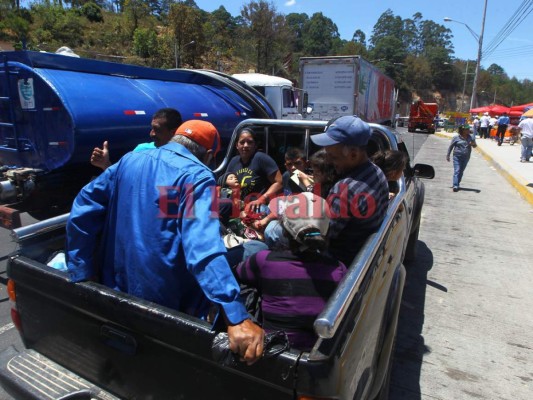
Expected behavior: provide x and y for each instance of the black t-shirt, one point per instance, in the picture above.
(253, 176)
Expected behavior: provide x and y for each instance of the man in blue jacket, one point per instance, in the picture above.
(159, 233)
(503, 122)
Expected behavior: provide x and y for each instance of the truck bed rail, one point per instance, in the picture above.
(330, 318)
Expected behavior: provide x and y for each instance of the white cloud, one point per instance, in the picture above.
(290, 3)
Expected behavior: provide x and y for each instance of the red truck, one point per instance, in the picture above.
(422, 116)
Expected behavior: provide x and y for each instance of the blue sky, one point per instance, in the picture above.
(514, 54)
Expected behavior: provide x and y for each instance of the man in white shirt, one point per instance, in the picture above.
(493, 121)
(526, 129)
(484, 126)
(475, 126)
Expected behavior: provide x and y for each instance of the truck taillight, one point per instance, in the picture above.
(11, 290)
(15, 316)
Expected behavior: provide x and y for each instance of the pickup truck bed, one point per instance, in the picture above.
(105, 344)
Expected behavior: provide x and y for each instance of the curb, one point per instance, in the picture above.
(518, 184)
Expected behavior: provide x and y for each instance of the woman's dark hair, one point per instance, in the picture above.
(250, 132)
(390, 161)
(307, 238)
(319, 162)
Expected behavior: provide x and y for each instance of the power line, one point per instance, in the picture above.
(510, 25)
(516, 19)
(511, 52)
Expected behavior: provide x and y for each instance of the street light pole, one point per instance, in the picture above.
(473, 101)
(479, 39)
(177, 52)
(464, 84)
(464, 88)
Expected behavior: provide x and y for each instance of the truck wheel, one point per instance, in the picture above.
(385, 388)
(411, 250)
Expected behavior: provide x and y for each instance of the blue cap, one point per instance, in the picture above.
(350, 130)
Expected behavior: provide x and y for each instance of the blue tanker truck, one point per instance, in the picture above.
(55, 109)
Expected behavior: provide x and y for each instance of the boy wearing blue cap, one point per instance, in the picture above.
(359, 200)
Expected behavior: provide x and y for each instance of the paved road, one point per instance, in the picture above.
(466, 326)
(8, 334)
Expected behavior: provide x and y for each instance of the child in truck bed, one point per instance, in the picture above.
(295, 284)
(392, 163)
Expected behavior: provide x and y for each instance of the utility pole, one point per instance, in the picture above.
(177, 52)
(473, 101)
(464, 88)
(479, 39)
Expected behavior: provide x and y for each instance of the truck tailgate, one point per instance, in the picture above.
(133, 348)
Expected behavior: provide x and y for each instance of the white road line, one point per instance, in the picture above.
(6, 327)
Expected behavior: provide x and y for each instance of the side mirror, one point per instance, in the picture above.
(306, 108)
(424, 171)
(305, 100)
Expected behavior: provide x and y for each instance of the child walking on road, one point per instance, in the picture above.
(462, 148)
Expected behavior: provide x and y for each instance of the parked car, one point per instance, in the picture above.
(440, 122)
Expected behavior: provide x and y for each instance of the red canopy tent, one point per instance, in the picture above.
(498, 109)
(479, 110)
(493, 110)
(517, 111)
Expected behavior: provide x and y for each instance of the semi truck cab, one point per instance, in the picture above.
(287, 101)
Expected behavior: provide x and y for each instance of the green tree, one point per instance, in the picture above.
(267, 33)
(56, 27)
(136, 11)
(359, 37)
(320, 34)
(15, 25)
(185, 23)
(386, 26)
(410, 35)
(417, 73)
(92, 11)
(296, 24)
(353, 48)
(222, 27)
(145, 43)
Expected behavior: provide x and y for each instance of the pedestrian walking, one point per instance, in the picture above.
(526, 129)
(503, 121)
(493, 121)
(462, 148)
(484, 126)
(475, 126)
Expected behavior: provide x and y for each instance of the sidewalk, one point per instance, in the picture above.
(506, 160)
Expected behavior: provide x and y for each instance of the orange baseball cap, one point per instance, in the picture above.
(202, 132)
